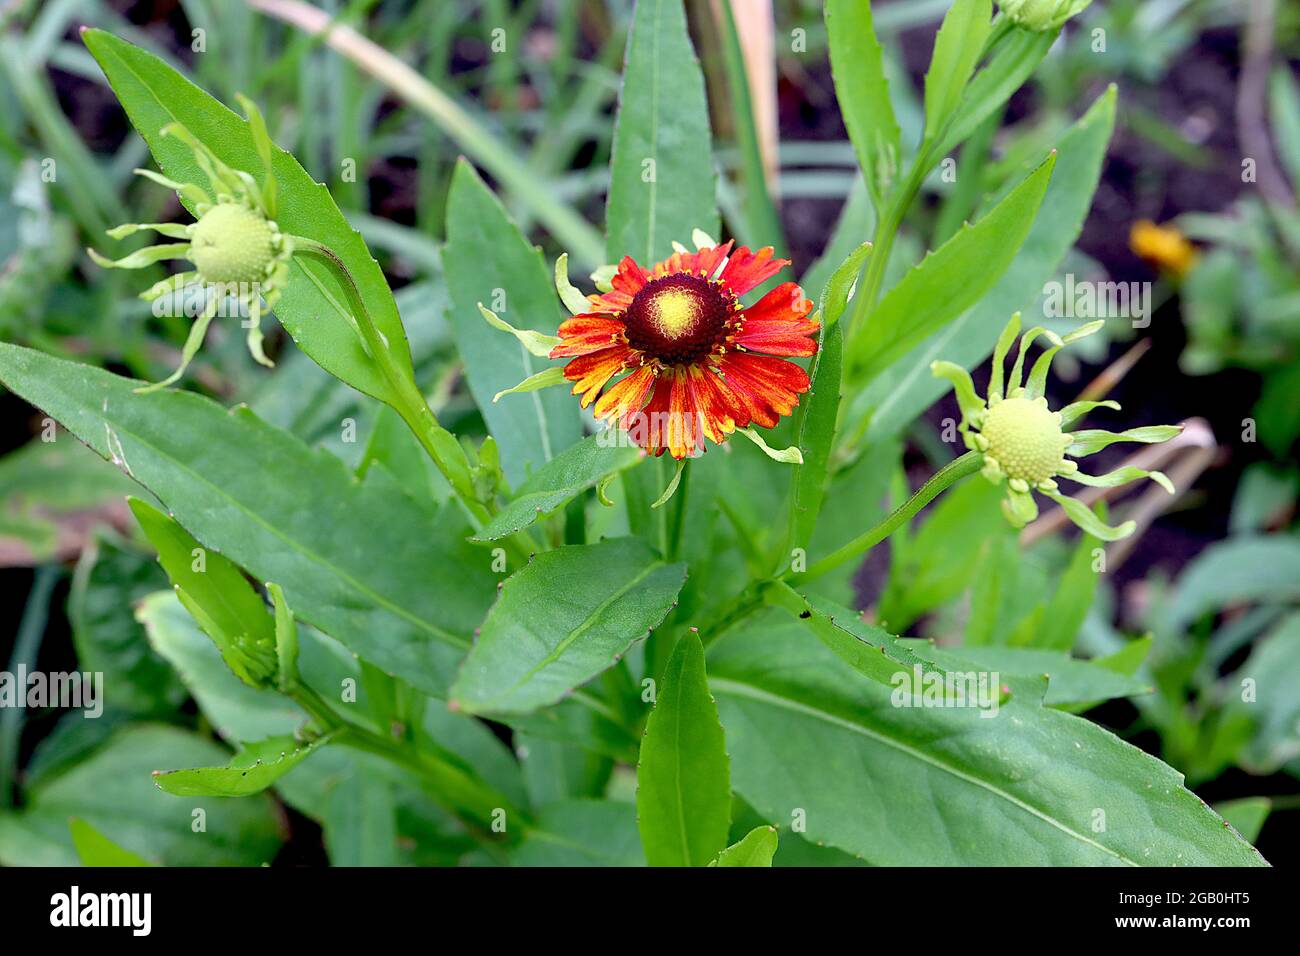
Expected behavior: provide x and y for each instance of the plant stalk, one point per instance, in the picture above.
(940, 481)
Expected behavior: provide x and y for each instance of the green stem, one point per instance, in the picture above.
(452, 787)
(864, 300)
(901, 200)
(677, 528)
(939, 482)
(409, 402)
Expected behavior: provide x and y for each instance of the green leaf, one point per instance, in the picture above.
(857, 219)
(312, 309)
(47, 484)
(1273, 708)
(1070, 681)
(1068, 607)
(1011, 64)
(931, 786)
(939, 561)
(361, 822)
(1246, 815)
(1284, 112)
(112, 791)
(573, 471)
(756, 849)
(223, 602)
(256, 767)
(570, 614)
(683, 790)
(487, 260)
(957, 48)
(815, 435)
(109, 580)
(353, 563)
(95, 849)
(238, 712)
(1248, 569)
(870, 650)
(857, 64)
(661, 174)
(949, 280)
(817, 416)
(392, 445)
(582, 833)
(1131, 656)
(906, 389)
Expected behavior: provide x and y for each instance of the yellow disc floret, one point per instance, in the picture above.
(1025, 438)
(674, 312)
(232, 243)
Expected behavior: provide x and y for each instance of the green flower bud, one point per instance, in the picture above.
(1023, 443)
(1041, 16)
(1024, 436)
(233, 244)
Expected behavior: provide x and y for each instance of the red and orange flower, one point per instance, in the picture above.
(696, 363)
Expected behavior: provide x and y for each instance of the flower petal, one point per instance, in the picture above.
(967, 400)
(703, 262)
(715, 404)
(626, 397)
(589, 373)
(1073, 412)
(746, 270)
(648, 427)
(584, 334)
(626, 283)
(778, 325)
(685, 431)
(767, 387)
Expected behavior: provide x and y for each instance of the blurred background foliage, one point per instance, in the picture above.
(1212, 587)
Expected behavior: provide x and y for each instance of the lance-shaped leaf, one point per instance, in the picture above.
(899, 785)
(1070, 680)
(360, 560)
(95, 849)
(661, 172)
(490, 265)
(756, 848)
(857, 63)
(870, 650)
(903, 391)
(566, 617)
(1008, 68)
(252, 770)
(577, 468)
(110, 789)
(217, 594)
(949, 280)
(957, 48)
(816, 418)
(683, 786)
